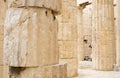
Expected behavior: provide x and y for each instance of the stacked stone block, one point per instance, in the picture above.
(67, 36)
(31, 47)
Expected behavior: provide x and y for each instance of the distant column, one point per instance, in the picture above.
(80, 33)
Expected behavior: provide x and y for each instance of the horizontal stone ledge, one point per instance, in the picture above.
(52, 71)
(54, 5)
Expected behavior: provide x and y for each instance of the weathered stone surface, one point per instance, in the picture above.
(54, 5)
(2, 18)
(103, 35)
(72, 67)
(52, 71)
(67, 49)
(30, 37)
(67, 36)
(66, 31)
(68, 21)
(4, 71)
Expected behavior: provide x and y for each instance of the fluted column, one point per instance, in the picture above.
(103, 35)
(118, 34)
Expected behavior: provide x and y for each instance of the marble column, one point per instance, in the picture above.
(67, 36)
(118, 33)
(103, 35)
(31, 47)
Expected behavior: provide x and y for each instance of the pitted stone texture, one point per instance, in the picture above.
(53, 71)
(4, 71)
(54, 5)
(72, 67)
(67, 49)
(30, 37)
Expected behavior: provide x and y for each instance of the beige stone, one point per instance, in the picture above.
(87, 28)
(52, 71)
(117, 32)
(80, 33)
(3, 8)
(103, 35)
(4, 71)
(68, 21)
(72, 67)
(67, 49)
(1, 44)
(67, 36)
(2, 18)
(30, 37)
(54, 5)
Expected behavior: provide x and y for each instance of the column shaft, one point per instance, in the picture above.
(103, 35)
(118, 33)
(67, 37)
(31, 46)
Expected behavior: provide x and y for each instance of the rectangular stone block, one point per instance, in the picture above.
(52, 71)
(69, 31)
(67, 49)
(72, 67)
(54, 5)
(4, 71)
(30, 37)
(68, 11)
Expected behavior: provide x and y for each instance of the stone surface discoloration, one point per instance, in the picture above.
(54, 5)
(30, 36)
(51, 71)
(26, 37)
